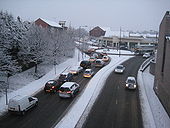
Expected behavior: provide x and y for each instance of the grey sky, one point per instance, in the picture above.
(129, 14)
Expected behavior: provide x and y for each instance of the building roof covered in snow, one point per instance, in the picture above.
(45, 23)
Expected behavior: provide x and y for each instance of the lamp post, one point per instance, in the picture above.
(120, 42)
(79, 42)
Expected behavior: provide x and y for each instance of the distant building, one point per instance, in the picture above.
(97, 32)
(162, 70)
(106, 37)
(47, 24)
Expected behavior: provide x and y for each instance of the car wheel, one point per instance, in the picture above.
(23, 113)
(36, 104)
(72, 95)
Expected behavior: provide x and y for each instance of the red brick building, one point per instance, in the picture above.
(97, 32)
(47, 24)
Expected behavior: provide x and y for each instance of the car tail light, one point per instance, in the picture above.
(53, 87)
(68, 91)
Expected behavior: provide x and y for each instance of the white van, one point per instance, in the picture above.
(21, 104)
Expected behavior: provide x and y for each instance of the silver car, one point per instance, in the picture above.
(119, 69)
(68, 89)
(131, 83)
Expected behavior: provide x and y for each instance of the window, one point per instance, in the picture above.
(30, 99)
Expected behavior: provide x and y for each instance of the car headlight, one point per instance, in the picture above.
(126, 85)
(134, 86)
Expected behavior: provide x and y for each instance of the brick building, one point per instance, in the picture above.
(47, 24)
(162, 69)
(97, 32)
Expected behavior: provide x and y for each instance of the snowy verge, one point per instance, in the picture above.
(153, 113)
(37, 85)
(147, 115)
(160, 116)
(80, 110)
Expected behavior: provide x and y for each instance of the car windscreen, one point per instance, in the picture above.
(131, 81)
(50, 83)
(86, 72)
(84, 62)
(64, 89)
(119, 67)
(98, 62)
(62, 76)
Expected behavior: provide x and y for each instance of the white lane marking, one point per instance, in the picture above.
(116, 101)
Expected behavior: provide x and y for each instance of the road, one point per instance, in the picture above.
(49, 110)
(117, 107)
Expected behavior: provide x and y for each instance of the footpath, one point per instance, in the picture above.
(153, 113)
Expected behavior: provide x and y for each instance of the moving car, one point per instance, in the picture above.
(99, 63)
(92, 59)
(146, 55)
(88, 73)
(131, 83)
(69, 89)
(52, 86)
(119, 69)
(21, 104)
(85, 64)
(65, 77)
(76, 70)
(105, 58)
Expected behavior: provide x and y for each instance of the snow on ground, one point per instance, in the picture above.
(81, 108)
(154, 115)
(114, 51)
(37, 85)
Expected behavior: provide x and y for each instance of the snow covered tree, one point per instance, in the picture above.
(8, 41)
(33, 46)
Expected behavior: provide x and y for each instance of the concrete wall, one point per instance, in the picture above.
(152, 67)
(162, 70)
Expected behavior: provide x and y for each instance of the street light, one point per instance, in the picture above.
(120, 42)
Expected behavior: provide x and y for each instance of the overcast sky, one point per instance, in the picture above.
(128, 14)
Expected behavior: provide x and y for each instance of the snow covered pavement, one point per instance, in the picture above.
(153, 113)
(81, 108)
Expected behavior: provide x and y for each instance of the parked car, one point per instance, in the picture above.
(105, 58)
(76, 70)
(131, 83)
(146, 55)
(99, 63)
(69, 89)
(65, 77)
(85, 64)
(88, 73)
(21, 104)
(52, 86)
(119, 69)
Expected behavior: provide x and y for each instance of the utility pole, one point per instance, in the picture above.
(120, 41)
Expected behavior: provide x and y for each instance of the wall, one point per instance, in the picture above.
(162, 70)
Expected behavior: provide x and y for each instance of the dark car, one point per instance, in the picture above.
(65, 77)
(52, 86)
(85, 64)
